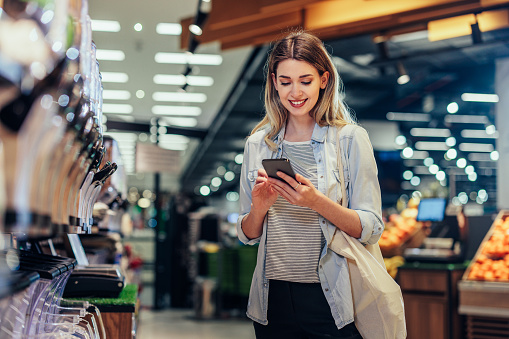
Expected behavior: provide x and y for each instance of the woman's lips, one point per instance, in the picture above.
(297, 103)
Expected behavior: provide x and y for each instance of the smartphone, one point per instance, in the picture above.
(272, 166)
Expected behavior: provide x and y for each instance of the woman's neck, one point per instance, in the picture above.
(299, 129)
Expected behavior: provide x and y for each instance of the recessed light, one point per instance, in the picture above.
(188, 58)
(176, 110)
(117, 108)
(117, 77)
(179, 97)
(116, 94)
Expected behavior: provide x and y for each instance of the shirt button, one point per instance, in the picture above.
(321, 176)
(320, 160)
(265, 285)
(321, 266)
(323, 221)
(326, 290)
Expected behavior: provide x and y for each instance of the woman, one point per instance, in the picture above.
(300, 288)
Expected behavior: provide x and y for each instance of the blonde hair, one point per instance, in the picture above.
(329, 110)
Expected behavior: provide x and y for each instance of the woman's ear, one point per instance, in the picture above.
(274, 80)
(324, 79)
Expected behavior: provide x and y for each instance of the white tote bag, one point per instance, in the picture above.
(377, 299)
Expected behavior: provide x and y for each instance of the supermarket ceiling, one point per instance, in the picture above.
(444, 48)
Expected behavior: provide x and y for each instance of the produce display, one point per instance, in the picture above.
(402, 231)
(491, 262)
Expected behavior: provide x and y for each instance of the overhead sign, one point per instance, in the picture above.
(151, 158)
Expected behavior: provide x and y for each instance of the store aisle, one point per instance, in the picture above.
(178, 324)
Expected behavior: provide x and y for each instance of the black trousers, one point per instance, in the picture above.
(300, 311)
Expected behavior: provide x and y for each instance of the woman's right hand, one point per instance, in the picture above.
(263, 195)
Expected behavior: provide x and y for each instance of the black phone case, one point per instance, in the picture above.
(271, 166)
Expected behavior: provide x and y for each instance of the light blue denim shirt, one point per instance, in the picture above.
(363, 192)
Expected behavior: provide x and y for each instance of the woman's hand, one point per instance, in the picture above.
(299, 191)
(263, 195)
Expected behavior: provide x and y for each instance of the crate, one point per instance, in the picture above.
(486, 328)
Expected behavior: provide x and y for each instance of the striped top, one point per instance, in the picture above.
(294, 236)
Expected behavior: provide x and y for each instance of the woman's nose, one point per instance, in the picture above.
(296, 91)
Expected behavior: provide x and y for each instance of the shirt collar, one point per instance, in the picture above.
(318, 135)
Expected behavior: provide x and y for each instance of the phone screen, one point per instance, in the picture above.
(272, 166)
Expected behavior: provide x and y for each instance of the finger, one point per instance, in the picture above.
(262, 173)
(291, 181)
(285, 194)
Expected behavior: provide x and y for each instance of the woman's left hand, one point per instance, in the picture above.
(299, 191)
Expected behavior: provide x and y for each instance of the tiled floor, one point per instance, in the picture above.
(178, 324)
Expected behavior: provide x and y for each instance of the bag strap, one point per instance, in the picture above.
(344, 199)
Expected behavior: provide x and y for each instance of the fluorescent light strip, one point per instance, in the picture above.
(408, 116)
(478, 97)
(126, 118)
(122, 136)
(466, 119)
(117, 108)
(419, 155)
(116, 94)
(431, 146)
(105, 26)
(421, 170)
(117, 77)
(110, 55)
(468, 147)
(187, 58)
(180, 80)
(174, 147)
(479, 157)
(430, 132)
(176, 110)
(166, 28)
(179, 97)
(176, 138)
(478, 134)
(182, 122)
(419, 35)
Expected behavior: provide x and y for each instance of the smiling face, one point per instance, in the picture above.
(298, 85)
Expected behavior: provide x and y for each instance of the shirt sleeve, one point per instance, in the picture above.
(246, 186)
(364, 190)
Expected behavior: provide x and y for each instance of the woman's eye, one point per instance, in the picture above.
(285, 83)
(306, 82)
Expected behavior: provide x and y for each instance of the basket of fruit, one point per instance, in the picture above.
(402, 231)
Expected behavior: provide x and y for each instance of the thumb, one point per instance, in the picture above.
(301, 179)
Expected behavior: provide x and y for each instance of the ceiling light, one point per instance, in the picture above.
(174, 138)
(433, 169)
(138, 27)
(407, 175)
(221, 170)
(140, 94)
(118, 77)
(479, 156)
(469, 169)
(195, 29)
(420, 155)
(400, 140)
(440, 175)
(403, 74)
(117, 108)
(204, 190)
(415, 181)
(116, 94)
(451, 141)
(232, 196)
(430, 132)
(491, 129)
(451, 154)
(110, 55)
(431, 146)
(478, 97)
(182, 122)
(173, 147)
(165, 28)
(123, 137)
(452, 107)
(179, 97)
(408, 116)
(419, 35)
(229, 176)
(176, 110)
(216, 181)
(478, 134)
(482, 194)
(407, 152)
(180, 80)
(187, 58)
(466, 119)
(105, 26)
(239, 158)
(461, 162)
(494, 155)
(471, 147)
(472, 176)
(428, 162)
